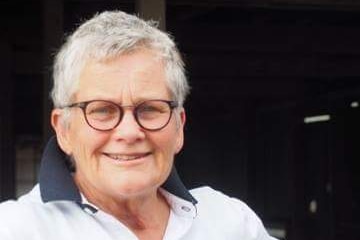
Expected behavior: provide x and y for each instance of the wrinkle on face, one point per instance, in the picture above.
(135, 82)
(125, 80)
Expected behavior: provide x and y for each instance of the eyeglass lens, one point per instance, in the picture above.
(151, 115)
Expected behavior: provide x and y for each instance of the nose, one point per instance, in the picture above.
(128, 129)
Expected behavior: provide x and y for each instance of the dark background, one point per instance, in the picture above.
(257, 69)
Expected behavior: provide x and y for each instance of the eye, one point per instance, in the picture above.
(101, 110)
(151, 109)
(148, 112)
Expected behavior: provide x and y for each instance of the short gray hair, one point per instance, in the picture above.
(108, 35)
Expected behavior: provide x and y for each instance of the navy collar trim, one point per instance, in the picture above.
(56, 181)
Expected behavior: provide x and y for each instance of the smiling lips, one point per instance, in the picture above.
(127, 157)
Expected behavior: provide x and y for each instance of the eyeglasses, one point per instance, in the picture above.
(102, 115)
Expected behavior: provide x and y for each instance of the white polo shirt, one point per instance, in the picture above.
(215, 217)
(56, 210)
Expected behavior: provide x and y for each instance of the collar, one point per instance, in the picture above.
(178, 205)
(56, 181)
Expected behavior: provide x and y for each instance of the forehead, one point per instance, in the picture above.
(138, 75)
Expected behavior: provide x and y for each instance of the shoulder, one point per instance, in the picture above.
(208, 197)
(14, 211)
(25, 213)
(39, 220)
(15, 215)
(22, 206)
(11, 207)
(223, 212)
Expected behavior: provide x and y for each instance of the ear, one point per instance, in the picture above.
(180, 131)
(61, 130)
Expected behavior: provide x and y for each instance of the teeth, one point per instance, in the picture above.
(124, 157)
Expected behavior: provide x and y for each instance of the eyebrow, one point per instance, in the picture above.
(137, 101)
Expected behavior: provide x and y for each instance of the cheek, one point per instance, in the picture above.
(86, 143)
(167, 143)
(86, 156)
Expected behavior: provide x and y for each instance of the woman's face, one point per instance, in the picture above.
(127, 160)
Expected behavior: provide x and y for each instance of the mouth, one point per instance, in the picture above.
(127, 157)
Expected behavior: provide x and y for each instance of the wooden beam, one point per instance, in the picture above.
(28, 63)
(53, 15)
(7, 150)
(152, 10)
(349, 5)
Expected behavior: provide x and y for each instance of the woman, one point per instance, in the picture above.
(119, 88)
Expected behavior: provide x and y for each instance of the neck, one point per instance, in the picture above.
(148, 211)
(139, 213)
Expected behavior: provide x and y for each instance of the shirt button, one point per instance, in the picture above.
(185, 208)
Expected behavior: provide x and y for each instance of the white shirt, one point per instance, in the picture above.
(215, 216)
(56, 210)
